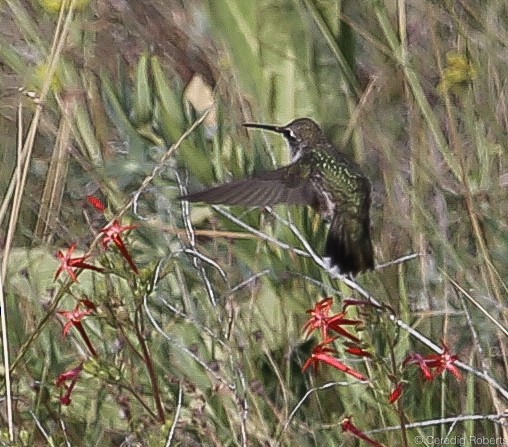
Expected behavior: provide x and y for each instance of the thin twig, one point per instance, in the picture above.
(477, 304)
(192, 320)
(46, 436)
(148, 360)
(431, 422)
(400, 260)
(6, 360)
(192, 241)
(178, 312)
(173, 342)
(249, 280)
(479, 347)
(177, 415)
(223, 212)
(311, 391)
(207, 260)
(353, 120)
(244, 405)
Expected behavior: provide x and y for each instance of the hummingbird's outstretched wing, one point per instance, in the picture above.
(289, 184)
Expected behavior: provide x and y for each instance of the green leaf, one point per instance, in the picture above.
(143, 104)
(118, 115)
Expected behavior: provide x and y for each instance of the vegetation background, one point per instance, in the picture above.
(204, 347)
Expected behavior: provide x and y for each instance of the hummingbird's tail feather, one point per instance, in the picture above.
(349, 245)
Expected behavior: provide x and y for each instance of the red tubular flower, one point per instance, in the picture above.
(319, 316)
(334, 323)
(71, 264)
(396, 393)
(444, 361)
(72, 375)
(75, 317)
(417, 359)
(96, 203)
(348, 426)
(356, 350)
(321, 353)
(320, 319)
(438, 362)
(112, 233)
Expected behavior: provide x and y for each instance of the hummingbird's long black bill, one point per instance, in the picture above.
(278, 129)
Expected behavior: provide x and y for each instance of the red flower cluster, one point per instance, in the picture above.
(85, 308)
(112, 233)
(75, 317)
(322, 319)
(326, 323)
(70, 264)
(72, 376)
(433, 365)
(323, 353)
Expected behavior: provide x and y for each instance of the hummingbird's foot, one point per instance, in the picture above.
(333, 270)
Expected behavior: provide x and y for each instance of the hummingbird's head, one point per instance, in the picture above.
(301, 134)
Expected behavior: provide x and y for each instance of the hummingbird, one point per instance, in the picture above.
(320, 176)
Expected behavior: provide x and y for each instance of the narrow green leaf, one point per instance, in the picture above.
(143, 105)
(119, 116)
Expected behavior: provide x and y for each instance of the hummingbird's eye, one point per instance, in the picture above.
(290, 135)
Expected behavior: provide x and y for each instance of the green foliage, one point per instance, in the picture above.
(204, 346)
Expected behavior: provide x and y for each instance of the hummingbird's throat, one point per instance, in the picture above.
(296, 152)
